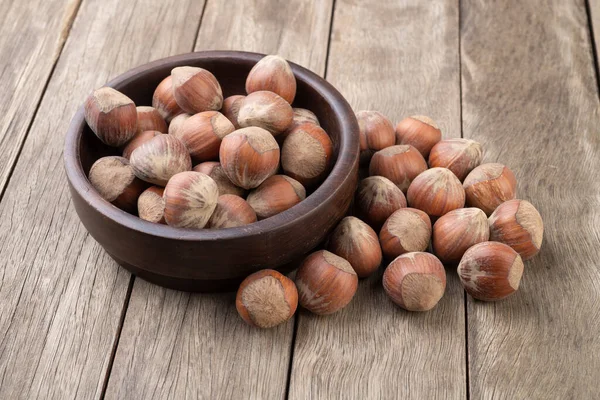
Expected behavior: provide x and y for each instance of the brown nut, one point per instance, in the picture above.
(164, 100)
(272, 73)
(418, 131)
(149, 119)
(519, 225)
(458, 155)
(400, 164)
(190, 199)
(177, 123)
(215, 171)
(306, 154)
(196, 90)
(158, 159)
(415, 281)
(115, 181)
(202, 134)
(151, 205)
(490, 185)
(458, 230)
(231, 109)
(406, 230)
(356, 242)
(301, 116)
(376, 199)
(436, 191)
(276, 194)
(231, 211)
(266, 110)
(326, 283)
(376, 133)
(138, 140)
(249, 156)
(490, 271)
(266, 299)
(111, 116)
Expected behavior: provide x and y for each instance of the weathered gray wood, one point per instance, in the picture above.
(177, 345)
(32, 34)
(594, 19)
(530, 97)
(399, 57)
(61, 297)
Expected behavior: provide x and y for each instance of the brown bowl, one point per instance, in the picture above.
(215, 260)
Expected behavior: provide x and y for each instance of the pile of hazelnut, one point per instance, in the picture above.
(195, 160)
(415, 198)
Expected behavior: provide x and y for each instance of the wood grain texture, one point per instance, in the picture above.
(530, 97)
(594, 25)
(32, 35)
(401, 58)
(61, 297)
(180, 345)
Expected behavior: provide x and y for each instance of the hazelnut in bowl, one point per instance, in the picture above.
(189, 250)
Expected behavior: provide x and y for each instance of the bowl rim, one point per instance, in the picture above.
(347, 159)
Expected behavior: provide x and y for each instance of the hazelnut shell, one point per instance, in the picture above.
(149, 119)
(276, 194)
(376, 199)
(436, 191)
(376, 133)
(158, 159)
(420, 132)
(460, 156)
(272, 73)
(111, 115)
(196, 90)
(490, 185)
(400, 164)
(458, 230)
(202, 134)
(231, 211)
(190, 199)
(164, 101)
(151, 205)
(266, 110)
(406, 230)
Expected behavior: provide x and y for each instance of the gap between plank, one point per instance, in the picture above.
(588, 10)
(66, 30)
(113, 351)
(132, 277)
(297, 318)
(462, 135)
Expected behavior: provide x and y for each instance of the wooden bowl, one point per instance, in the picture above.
(215, 260)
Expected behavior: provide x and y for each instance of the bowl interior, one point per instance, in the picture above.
(231, 73)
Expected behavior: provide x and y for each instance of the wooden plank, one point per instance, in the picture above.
(593, 9)
(177, 345)
(61, 297)
(399, 57)
(530, 97)
(32, 35)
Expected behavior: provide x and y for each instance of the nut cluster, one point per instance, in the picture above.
(196, 159)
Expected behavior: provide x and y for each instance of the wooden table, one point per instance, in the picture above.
(518, 76)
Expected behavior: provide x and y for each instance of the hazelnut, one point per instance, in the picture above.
(177, 123)
(115, 181)
(138, 140)
(490, 185)
(376, 199)
(266, 299)
(400, 164)
(276, 194)
(306, 154)
(202, 134)
(151, 205)
(490, 271)
(111, 116)
(231, 211)
(357, 242)
(164, 100)
(149, 119)
(326, 283)
(231, 109)
(158, 159)
(415, 281)
(418, 131)
(196, 90)
(436, 191)
(266, 110)
(190, 199)
(376, 133)
(249, 156)
(519, 225)
(458, 230)
(215, 171)
(272, 73)
(458, 155)
(301, 116)
(406, 230)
